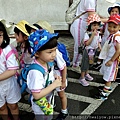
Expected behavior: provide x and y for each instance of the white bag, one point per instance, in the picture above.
(70, 13)
(104, 51)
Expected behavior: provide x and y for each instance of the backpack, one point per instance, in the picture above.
(22, 78)
(62, 48)
(71, 11)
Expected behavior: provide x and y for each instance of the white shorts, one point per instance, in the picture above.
(9, 91)
(108, 71)
(58, 88)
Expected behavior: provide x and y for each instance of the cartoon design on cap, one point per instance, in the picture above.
(39, 38)
(93, 18)
(115, 19)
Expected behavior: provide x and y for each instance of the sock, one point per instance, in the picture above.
(104, 93)
(98, 62)
(106, 87)
(64, 111)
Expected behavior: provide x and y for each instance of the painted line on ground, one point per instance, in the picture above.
(92, 107)
(90, 71)
(91, 83)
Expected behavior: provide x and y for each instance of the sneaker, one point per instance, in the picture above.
(83, 82)
(97, 66)
(101, 88)
(100, 96)
(88, 77)
(76, 68)
(61, 116)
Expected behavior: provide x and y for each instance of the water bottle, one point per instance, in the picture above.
(91, 56)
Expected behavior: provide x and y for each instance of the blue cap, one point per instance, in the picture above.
(39, 38)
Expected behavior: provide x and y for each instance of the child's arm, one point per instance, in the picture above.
(88, 42)
(48, 89)
(7, 74)
(115, 56)
(63, 74)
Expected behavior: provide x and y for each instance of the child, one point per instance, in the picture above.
(110, 64)
(21, 36)
(115, 9)
(92, 42)
(9, 89)
(43, 47)
(59, 69)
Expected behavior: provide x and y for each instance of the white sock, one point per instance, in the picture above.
(64, 111)
(107, 87)
(104, 93)
(98, 62)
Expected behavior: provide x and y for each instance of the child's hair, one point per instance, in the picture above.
(92, 19)
(89, 26)
(41, 40)
(116, 5)
(49, 45)
(27, 45)
(6, 39)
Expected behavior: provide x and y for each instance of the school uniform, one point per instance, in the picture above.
(36, 82)
(78, 27)
(59, 66)
(109, 71)
(9, 89)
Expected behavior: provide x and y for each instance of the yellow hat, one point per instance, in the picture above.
(21, 26)
(8, 27)
(44, 25)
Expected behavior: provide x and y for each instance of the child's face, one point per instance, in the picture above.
(114, 11)
(1, 37)
(47, 55)
(19, 37)
(94, 26)
(113, 28)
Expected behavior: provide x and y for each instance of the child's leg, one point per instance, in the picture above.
(63, 99)
(4, 112)
(64, 112)
(14, 110)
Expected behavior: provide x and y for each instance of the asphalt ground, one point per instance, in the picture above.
(81, 102)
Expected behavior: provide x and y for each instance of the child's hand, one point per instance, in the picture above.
(58, 81)
(63, 85)
(94, 32)
(109, 63)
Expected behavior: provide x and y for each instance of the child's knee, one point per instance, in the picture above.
(13, 106)
(3, 107)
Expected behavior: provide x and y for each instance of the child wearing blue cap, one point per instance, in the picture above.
(43, 47)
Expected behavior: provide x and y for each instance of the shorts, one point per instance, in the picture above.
(58, 88)
(85, 61)
(9, 91)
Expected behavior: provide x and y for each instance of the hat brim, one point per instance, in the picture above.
(7, 26)
(111, 1)
(44, 25)
(112, 21)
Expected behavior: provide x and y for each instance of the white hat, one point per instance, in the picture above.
(111, 1)
(8, 27)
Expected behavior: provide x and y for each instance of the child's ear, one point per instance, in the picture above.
(25, 37)
(37, 54)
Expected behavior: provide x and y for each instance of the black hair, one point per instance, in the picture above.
(115, 7)
(50, 44)
(89, 26)
(27, 44)
(6, 39)
(38, 26)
